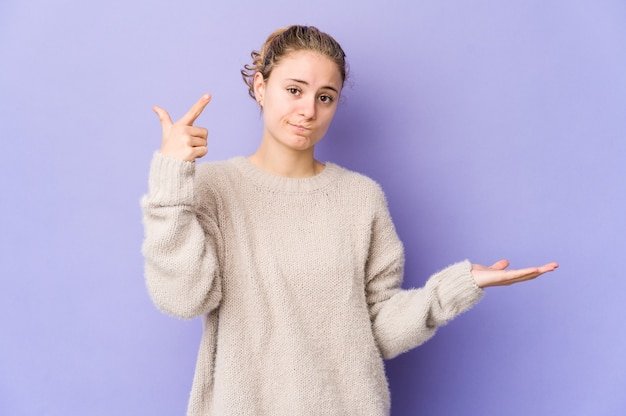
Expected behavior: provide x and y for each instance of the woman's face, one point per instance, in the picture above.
(299, 99)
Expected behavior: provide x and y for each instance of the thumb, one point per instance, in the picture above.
(500, 265)
(163, 115)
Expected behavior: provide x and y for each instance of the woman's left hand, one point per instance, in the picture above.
(496, 275)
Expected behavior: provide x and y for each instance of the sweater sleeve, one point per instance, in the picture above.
(181, 253)
(404, 319)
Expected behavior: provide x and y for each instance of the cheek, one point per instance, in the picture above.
(279, 110)
(274, 114)
(329, 114)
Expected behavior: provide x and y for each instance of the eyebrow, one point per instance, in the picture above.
(326, 87)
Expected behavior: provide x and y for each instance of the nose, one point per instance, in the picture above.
(307, 109)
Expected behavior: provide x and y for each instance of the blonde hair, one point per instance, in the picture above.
(292, 39)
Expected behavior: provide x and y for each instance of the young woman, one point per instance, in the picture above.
(294, 264)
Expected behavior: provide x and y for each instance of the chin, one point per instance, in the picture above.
(300, 143)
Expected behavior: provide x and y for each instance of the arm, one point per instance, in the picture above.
(404, 319)
(181, 260)
(180, 250)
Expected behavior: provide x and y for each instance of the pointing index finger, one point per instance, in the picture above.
(195, 111)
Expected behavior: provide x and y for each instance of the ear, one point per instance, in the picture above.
(259, 88)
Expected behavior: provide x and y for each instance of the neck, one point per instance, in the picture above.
(286, 162)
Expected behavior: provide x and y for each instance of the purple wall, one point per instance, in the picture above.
(497, 129)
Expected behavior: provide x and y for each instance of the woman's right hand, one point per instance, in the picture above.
(182, 140)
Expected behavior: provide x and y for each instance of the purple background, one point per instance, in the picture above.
(497, 129)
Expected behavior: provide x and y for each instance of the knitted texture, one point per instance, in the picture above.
(298, 282)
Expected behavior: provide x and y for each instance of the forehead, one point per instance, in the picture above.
(312, 67)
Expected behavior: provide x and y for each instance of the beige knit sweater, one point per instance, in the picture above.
(298, 283)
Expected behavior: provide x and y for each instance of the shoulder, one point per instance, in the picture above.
(357, 180)
(214, 181)
(360, 186)
(215, 168)
(214, 174)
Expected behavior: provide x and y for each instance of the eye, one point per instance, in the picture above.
(293, 91)
(326, 99)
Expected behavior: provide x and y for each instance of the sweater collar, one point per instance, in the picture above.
(275, 183)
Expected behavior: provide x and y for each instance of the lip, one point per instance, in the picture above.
(299, 127)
